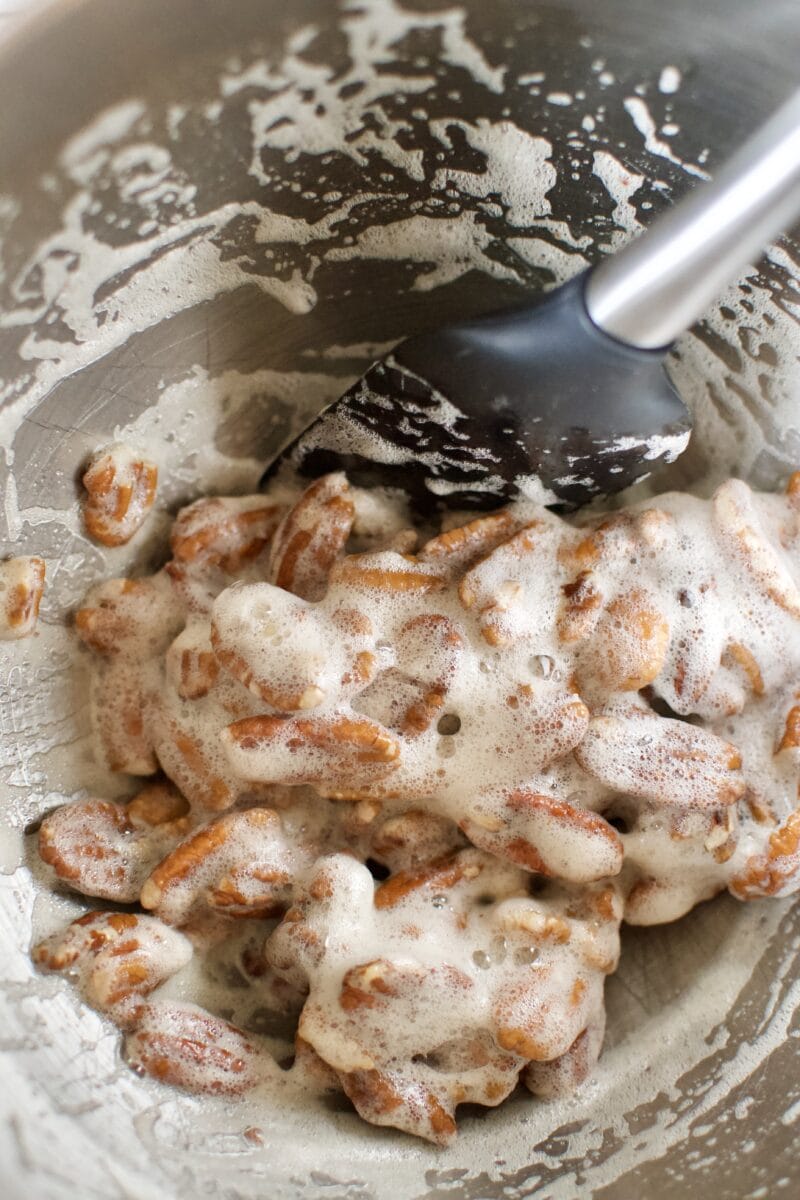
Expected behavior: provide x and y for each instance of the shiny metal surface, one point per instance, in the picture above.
(649, 293)
(262, 210)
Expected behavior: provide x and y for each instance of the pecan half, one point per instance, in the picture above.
(241, 865)
(108, 849)
(21, 591)
(659, 759)
(185, 1046)
(311, 537)
(224, 531)
(118, 958)
(317, 750)
(120, 491)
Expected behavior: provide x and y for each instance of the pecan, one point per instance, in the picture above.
(21, 591)
(793, 489)
(629, 644)
(224, 531)
(537, 725)
(659, 759)
(601, 904)
(191, 664)
(612, 539)
(440, 874)
(551, 836)
(120, 491)
(196, 768)
(745, 658)
(386, 571)
(381, 1100)
(462, 547)
(519, 914)
(776, 871)
(373, 984)
(791, 733)
(127, 614)
(523, 1018)
(117, 957)
(187, 1047)
(370, 1090)
(114, 616)
(561, 1076)
(473, 1025)
(739, 528)
(491, 587)
(317, 750)
(311, 537)
(406, 841)
(241, 865)
(159, 804)
(108, 849)
(428, 650)
(285, 651)
(122, 702)
(581, 611)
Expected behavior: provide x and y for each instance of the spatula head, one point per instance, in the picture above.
(477, 414)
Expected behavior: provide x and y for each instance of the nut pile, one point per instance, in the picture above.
(432, 774)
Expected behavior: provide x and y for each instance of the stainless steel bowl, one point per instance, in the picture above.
(210, 216)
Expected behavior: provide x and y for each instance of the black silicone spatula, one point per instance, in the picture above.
(571, 389)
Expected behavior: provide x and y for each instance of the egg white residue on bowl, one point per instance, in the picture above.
(103, 290)
(637, 110)
(134, 245)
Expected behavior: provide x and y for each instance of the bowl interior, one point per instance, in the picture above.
(211, 219)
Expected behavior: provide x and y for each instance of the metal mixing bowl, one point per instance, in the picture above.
(223, 208)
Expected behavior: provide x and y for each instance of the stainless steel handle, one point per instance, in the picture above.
(659, 284)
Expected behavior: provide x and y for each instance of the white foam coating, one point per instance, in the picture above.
(518, 167)
(106, 129)
(621, 184)
(659, 446)
(748, 551)
(323, 120)
(695, 562)
(669, 80)
(460, 975)
(541, 253)
(448, 246)
(639, 113)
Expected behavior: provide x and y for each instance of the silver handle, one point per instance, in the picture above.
(660, 283)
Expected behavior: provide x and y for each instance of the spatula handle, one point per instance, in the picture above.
(663, 281)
